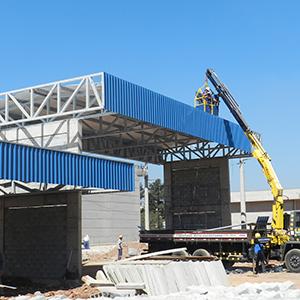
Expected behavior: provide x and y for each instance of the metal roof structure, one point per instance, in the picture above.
(121, 119)
(30, 164)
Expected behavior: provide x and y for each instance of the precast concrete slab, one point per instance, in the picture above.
(216, 273)
(163, 279)
(172, 284)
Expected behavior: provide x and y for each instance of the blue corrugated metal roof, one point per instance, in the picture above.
(29, 164)
(131, 100)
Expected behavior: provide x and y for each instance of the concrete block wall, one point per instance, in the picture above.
(107, 215)
(40, 233)
(197, 194)
(35, 237)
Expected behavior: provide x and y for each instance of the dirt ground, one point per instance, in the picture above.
(248, 276)
(74, 289)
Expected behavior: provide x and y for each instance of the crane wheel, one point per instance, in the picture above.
(201, 252)
(292, 260)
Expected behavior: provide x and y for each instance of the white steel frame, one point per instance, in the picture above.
(74, 98)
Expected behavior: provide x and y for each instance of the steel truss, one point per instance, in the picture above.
(73, 98)
(123, 137)
(103, 132)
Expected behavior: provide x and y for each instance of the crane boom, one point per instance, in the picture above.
(259, 152)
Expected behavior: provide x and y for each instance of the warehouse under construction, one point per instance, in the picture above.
(65, 145)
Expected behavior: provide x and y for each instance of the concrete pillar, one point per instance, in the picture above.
(168, 195)
(74, 237)
(2, 202)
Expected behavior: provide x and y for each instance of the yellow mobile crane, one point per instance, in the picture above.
(236, 245)
(279, 235)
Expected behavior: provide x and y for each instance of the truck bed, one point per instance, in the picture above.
(195, 235)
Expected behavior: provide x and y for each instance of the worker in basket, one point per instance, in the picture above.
(210, 97)
(207, 95)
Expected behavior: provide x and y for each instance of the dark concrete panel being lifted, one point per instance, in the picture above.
(197, 194)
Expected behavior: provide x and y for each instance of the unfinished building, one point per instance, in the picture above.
(104, 115)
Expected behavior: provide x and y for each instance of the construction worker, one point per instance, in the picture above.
(86, 242)
(206, 94)
(120, 246)
(259, 253)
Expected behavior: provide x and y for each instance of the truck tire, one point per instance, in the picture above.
(292, 260)
(180, 253)
(201, 252)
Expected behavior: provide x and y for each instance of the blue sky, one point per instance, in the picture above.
(167, 46)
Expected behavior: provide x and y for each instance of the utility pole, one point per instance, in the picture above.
(147, 224)
(242, 194)
(143, 172)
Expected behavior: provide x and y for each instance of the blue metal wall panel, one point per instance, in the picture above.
(131, 100)
(29, 164)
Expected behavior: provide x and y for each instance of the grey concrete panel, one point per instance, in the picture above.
(107, 215)
(59, 135)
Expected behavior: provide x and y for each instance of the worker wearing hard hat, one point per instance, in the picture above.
(120, 247)
(259, 254)
(206, 92)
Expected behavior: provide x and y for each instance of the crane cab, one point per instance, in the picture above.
(292, 224)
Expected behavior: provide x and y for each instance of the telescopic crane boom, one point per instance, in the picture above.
(259, 153)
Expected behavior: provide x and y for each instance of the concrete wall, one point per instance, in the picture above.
(259, 203)
(62, 135)
(197, 194)
(107, 215)
(40, 233)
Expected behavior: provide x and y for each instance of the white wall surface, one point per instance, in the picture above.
(107, 215)
(259, 203)
(61, 135)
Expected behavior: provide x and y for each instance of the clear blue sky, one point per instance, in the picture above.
(167, 46)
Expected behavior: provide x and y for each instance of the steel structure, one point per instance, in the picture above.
(29, 164)
(120, 119)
